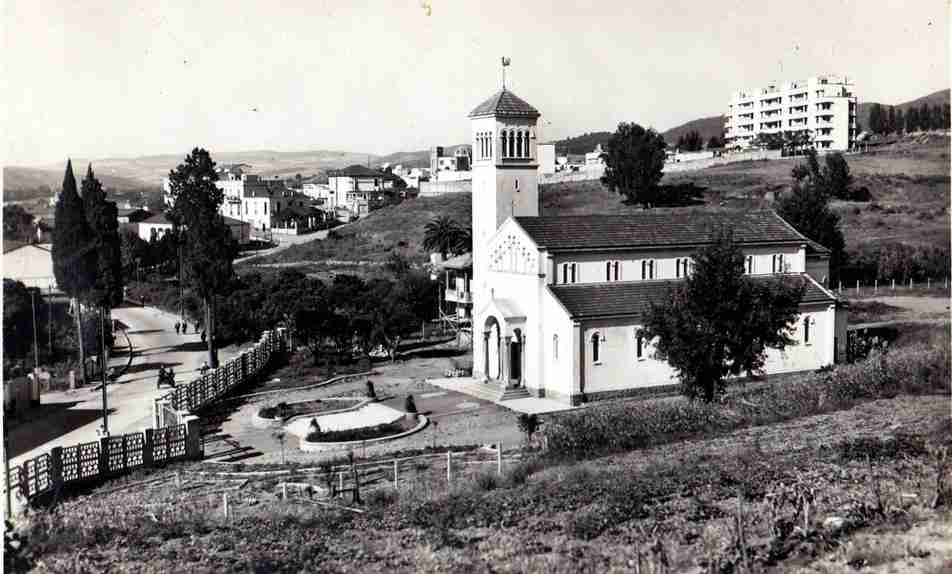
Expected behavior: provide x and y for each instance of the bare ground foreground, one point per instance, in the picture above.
(847, 491)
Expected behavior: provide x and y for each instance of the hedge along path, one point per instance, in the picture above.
(328, 382)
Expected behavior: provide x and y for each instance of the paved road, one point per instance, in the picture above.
(284, 241)
(71, 417)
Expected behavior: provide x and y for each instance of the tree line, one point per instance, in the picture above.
(892, 120)
(85, 251)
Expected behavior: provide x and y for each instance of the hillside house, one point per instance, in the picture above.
(30, 264)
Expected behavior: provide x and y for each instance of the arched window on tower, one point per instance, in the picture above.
(502, 147)
(525, 144)
(518, 144)
(512, 144)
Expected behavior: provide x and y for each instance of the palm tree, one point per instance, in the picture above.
(441, 234)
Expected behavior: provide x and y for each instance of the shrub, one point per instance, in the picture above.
(587, 524)
(382, 497)
(520, 473)
(409, 405)
(314, 429)
(917, 369)
(528, 423)
(487, 481)
(371, 393)
(363, 433)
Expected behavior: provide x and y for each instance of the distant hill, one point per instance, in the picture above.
(414, 158)
(936, 98)
(148, 171)
(581, 144)
(707, 127)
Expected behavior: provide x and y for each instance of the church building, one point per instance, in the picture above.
(558, 301)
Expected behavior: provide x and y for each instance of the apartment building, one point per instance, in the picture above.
(823, 107)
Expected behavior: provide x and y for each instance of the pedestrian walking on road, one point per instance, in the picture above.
(203, 336)
(184, 327)
(177, 326)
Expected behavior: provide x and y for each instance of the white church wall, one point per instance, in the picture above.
(618, 367)
(801, 355)
(558, 355)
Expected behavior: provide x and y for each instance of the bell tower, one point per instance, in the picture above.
(505, 173)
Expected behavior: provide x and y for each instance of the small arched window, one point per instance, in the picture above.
(595, 345)
(518, 145)
(512, 144)
(502, 147)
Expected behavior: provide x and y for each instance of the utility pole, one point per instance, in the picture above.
(36, 348)
(181, 287)
(102, 337)
(6, 471)
(49, 329)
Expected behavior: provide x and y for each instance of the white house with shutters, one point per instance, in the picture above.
(558, 301)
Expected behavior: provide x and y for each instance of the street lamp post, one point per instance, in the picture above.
(102, 337)
(36, 352)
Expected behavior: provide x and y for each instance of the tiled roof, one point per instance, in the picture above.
(655, 228)
(814, 248)
(634, 298)
(505, 104)
(356, 170)
(158, 218)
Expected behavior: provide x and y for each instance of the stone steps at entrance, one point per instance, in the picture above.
(489, 391)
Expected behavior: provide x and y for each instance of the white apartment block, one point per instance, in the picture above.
(823, 106)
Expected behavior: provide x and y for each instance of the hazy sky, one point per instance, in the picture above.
(126, 78)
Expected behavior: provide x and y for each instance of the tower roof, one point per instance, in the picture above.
(506, 104)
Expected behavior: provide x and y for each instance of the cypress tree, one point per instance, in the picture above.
(73, 252)
(936, 117)
(900, 122)
(876, 119)
(912, 119)
(891, 120)
(102, 217)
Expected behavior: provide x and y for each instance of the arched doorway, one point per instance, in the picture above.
(492, 341)
(515, 357)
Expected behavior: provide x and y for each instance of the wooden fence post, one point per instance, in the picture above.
(449, 465)
(894, 284)
(875, 286)
(928, 282)
(284, 490)
(340, 479)
(857, 286)
(396, 471)
(840, 288)
(499, 458)
(910, 282)
(225, 505)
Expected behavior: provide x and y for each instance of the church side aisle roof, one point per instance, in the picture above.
(655, 228)
(634, 298)
(505, 104)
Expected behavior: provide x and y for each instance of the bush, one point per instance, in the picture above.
(409, 405)
(487, 481)
(520, 473)
(587, 524)
(371, 393)
(917, 369)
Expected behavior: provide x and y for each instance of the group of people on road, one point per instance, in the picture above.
(182, 326)
(166, 377)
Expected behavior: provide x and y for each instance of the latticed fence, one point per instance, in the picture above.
(109, 456)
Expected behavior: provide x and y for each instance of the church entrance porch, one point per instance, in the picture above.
(503, 356)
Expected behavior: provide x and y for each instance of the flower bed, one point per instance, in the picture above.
(285, 411)
(364, 433)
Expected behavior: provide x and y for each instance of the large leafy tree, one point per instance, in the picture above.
(634, 163)
(807, 209)
(719, 322)
(207, 245)
(75, 260)
(17, 224)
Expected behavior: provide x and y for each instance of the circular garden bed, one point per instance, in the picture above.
(283, 412)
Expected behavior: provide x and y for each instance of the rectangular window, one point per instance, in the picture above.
(806, 329)
(568, 273)
(612, 270)
(639, 346)
(647, 269)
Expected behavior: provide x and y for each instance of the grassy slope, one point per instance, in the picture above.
(909, 183)
(397, 228)
(598, 515)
